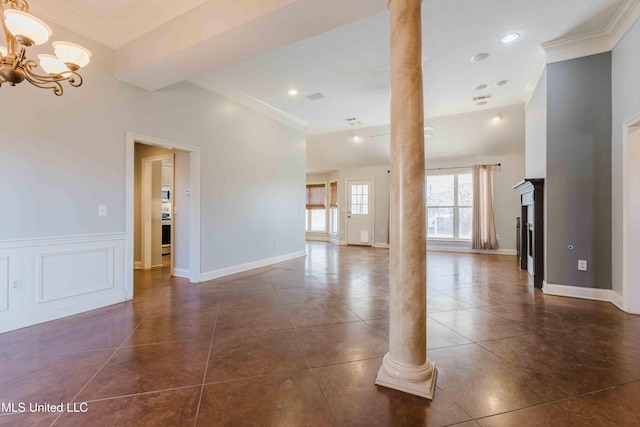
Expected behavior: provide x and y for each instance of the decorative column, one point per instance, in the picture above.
(406, 367)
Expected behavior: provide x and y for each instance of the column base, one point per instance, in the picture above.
(423, 387)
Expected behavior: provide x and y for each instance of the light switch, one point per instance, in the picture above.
(102, 210)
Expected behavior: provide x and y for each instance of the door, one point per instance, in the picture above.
(360, 212)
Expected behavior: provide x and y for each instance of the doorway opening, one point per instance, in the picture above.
(631, 216)
(163, 208)
(360, 211)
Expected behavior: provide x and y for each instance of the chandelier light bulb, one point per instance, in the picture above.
(52, 65)
(21, 24)
(71, 53)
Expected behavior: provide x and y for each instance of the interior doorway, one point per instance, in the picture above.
(631, 216)
(163, 180)
(360, 209)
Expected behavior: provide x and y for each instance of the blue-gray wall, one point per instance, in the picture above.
(579, 171)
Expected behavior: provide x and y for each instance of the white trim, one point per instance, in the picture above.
(33, 318)
(194, 203)
(596, 42)
(616, 299)
(4, 283)
(181, 272)
(466, 250)
(137, 265)
(333, 238)
(40, 257)
(577, 47)
(146, 234)
(582, 293)
(227, 271)
(209, 83)
(626, 280)
(535, 74)
(316, 237)
(60, 240)
(623, 20)
(381, 245)
(342, 243)
(372, 208)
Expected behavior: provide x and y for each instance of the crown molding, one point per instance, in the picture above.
(535, 73)
(216, 86)
(577, 47)
(623, 20)
(63, 14)
(596, 42)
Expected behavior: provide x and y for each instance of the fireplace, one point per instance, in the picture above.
(531, 237)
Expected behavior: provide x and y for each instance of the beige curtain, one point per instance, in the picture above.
(484, 227)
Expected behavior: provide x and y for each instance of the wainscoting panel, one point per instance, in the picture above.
(4, 283)
(60, 276)
(67, 274)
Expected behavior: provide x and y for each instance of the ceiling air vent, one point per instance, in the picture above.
(315, 96)
(352, 121)
(482, 98)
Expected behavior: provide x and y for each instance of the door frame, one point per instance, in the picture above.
(145, 210)
(630, 125)
(372, 231)
(195, 160)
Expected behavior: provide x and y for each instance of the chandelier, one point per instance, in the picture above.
(22, 31)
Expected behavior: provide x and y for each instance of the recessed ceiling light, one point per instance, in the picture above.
(481, 87)
(429, 128)
(497, 118)
(482, 103)
(293, 92)
(502, 82)
(480, 57)
(510, 38)
(356, 138)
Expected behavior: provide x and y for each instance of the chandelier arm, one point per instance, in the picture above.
(54, 85)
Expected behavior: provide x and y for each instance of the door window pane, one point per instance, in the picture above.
(440, 223)
(360, 199)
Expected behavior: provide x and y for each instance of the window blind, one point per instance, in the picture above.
(316, 195)
(334, 195)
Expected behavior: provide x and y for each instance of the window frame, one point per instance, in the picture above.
(456, 206)
(325, 209)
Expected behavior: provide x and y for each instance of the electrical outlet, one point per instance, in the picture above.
(102, 210)
(582, 265)
(497, 237)
(16, 284)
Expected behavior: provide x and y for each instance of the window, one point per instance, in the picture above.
(449, 206)
(333, 208)
(360, 199)
(315, 219)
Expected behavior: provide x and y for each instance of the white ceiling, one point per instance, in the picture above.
(350, 64)
(340, 48)
(456, 135)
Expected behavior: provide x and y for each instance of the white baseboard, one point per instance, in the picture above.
(317, 237)
(333, 238)
(227, 271)
(583, 293)
(181, 272)
(444, 248)
(34, 318)
(137, 265)
(342, 243)
(381, 245)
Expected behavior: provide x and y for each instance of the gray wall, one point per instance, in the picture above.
(626, 104)
(63, 156)
(578, 182)
(536, 131)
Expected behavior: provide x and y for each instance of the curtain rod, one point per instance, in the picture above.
(459, 167)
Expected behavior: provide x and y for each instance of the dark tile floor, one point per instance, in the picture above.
(300, 343)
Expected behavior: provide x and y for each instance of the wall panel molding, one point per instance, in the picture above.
(4, 283)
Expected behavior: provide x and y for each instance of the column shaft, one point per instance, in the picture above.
(406, 366)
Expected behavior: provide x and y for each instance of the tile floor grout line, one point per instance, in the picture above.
(106, 361)
(206, 367)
